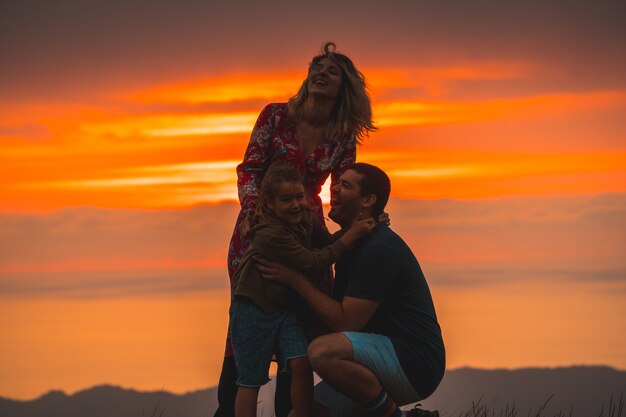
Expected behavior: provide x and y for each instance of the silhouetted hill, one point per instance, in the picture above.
(586, 389)
(110, 401)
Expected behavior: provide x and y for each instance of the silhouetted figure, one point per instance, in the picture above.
(386, 349)
(263, 316)
(317, 132)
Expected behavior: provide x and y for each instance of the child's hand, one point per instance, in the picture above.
(384, 218)
(246, 224)
(362, 227)
(359, 229)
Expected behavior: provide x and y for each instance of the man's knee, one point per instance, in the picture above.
(319, 353)
(326, 350)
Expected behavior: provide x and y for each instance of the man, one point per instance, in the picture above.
(386, 349)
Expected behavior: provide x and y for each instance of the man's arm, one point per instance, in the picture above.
(349, 314)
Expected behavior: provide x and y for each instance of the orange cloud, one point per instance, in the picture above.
(173, 125)
(105, 155)
(437, 80)
(414, 113)
(228, 88)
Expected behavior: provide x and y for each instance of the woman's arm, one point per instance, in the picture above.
(256, 161)
(346, 160)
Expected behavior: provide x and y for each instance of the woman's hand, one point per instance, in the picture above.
(276, 272)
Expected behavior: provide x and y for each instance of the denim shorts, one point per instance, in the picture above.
(256, 336)
(376, 352)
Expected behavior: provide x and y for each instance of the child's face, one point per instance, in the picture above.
(289, 202)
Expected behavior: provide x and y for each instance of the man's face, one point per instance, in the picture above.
(345, 199)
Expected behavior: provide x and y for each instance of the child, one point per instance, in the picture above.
(261, 320)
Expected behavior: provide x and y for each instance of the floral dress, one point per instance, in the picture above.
(274, 139)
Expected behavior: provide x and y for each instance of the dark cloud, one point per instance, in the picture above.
(56, 49)
(459, 243)
(476, 276)
(516, 239)
(85, 235)
(107, 284)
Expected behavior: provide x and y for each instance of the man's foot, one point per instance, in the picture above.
(419, 412)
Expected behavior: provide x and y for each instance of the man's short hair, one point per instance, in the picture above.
(373, 181)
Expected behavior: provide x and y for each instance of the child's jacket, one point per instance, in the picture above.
(279, 241)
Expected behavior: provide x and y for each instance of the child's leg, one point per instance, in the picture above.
(282, 396)
(301, 387)
(246, 401)
(253, 335)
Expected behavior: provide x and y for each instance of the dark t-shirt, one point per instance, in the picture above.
(383, 268)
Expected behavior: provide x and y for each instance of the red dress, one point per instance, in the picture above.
(274, 139)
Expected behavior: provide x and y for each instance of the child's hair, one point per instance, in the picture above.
(275, 175)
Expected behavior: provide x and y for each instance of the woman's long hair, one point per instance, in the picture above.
(351, 115)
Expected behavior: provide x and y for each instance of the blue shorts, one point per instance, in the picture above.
(376, 352)
(256, 336)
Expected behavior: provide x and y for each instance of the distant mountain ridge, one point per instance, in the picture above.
(581, 389)
(584, 389)
(112, 401)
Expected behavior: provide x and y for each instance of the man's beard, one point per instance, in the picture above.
(343, 214)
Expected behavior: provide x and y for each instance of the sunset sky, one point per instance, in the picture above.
(502, 127)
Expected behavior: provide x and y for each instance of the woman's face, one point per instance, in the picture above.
(325, 78)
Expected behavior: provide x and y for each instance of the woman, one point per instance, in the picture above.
(317, 132)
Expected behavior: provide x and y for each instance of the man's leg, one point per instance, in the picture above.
(332, 357)
(294, 381)
(320, 411)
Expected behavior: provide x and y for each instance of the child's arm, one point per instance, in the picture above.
(383, 218)
(359, 229)
(320, 236)
(289, 251)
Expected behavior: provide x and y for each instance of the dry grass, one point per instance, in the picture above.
(614, 408)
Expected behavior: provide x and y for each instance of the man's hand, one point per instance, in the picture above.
(276, 272)
(351, 314)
